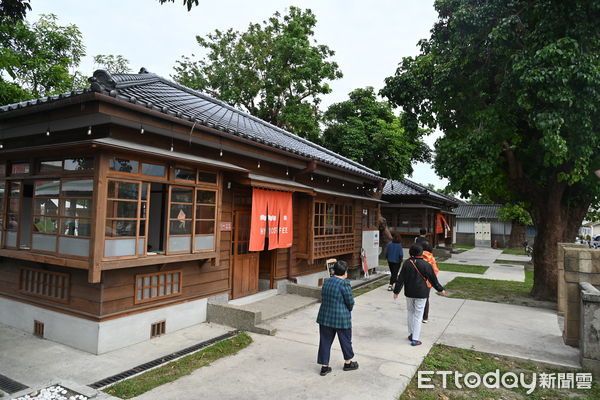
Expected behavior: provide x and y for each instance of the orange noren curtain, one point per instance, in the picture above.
(272, 217)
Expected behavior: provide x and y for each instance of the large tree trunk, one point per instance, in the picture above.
(517, 234)
(555, 222)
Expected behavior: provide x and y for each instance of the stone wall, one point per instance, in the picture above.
(589, 343)
(561, 291)
(580, 265)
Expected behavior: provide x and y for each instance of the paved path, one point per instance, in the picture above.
(284, 366)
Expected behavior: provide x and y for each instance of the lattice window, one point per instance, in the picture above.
(333, 230)
(47, 284)
(159, 285)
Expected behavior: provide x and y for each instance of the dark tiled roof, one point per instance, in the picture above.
(157, 93)
(29, 103)
(407, 187)
(475, 211)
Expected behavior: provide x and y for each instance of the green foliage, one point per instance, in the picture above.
(367, 131)
(38, 60)
(515, 87)
(14, 10)
(188, 3)
(274, 70)
(515, 212)
(113, 64)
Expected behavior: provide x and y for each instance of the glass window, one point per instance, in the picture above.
(157, 285)
(207, 177)
(206, 196)
(19, 168)
(79, 164)
(124, 165)
(123, 190)
(77, 188)
(77, 207)
(51, 166)
(180, 211)
(185, 174)
(153, 170)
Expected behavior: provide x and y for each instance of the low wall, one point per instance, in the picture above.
(580, 265)
(589, 343)
(561, 296)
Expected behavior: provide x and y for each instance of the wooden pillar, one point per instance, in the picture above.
(98, 218)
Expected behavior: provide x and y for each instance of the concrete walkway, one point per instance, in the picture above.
(284, 366)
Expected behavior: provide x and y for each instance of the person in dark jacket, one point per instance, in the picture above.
(422, 236)
(414, 276)
(335, 318)
(394, 253)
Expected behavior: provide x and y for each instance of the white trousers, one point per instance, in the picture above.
(415, 309)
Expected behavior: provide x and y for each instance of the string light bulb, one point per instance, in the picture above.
(287, 171)
(141, 130)
(89, 131)
(48, 132)
(327, 179)
(258, 163)
(312, 178)
(1, 145)
(221, 152)
(171, 144)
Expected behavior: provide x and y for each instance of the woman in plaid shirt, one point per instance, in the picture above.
(335, 318)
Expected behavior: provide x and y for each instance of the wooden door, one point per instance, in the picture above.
(245, 263)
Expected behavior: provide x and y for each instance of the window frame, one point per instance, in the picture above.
(138, 218)
(57, 276)
(137, 288)
(326, 244)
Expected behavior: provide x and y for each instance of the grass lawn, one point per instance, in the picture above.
(471, 269)
(446, 358)
(368, 288)
(184, 366)
(463, 246)
(496, 291)
(518, 252)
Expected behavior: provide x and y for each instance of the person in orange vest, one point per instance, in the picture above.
(428, 256)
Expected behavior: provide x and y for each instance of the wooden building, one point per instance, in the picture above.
(410, 207)
(126, 206)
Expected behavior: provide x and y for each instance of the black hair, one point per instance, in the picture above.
(415, 250)
(396, 237)
(422, 231)
(340, 268)
(426, 246)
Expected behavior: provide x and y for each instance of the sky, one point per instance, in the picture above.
(369, 37)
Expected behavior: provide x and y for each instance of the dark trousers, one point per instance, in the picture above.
(394, 268)
(326, 336)
(426, 312)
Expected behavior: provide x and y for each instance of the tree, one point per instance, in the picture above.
(188, 3)
(520, 220)
(39, 59)
(274, 70)
(113, 64)
(14, 10)
(515, 87)
(367, 131)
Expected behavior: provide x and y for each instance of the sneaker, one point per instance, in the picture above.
(390, 288)
(325, 371)
(410, 337)
(425, 321)
(352, 365)
(415, 343)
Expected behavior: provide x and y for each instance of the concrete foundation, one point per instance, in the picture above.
(589, 342)
(100, 337)
(312, 279)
